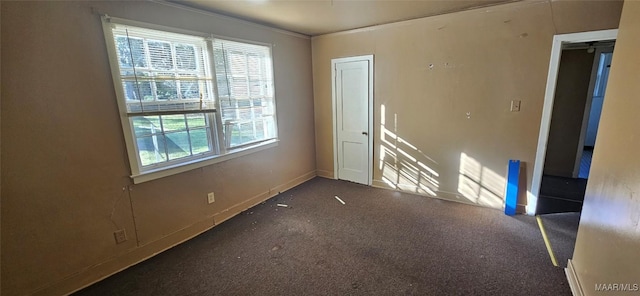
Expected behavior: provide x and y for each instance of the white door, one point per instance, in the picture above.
(352, 108)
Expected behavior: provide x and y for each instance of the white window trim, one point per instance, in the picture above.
(137, 175)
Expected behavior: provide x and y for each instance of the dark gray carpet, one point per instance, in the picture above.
(562, 229)
(380, 243)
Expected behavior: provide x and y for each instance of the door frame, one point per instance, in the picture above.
(547, 109)
(334, 62)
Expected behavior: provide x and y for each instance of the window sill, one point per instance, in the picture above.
(198, 163)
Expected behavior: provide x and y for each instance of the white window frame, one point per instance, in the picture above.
(219, 151)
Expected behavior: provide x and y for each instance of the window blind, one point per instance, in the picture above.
(165, 79)
(163, 72)
(245, 91)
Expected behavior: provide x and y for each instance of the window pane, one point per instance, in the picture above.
(178, 145)
(254, 64)
(245, 114)
(242, 133)
(166, 89)
(199, 141)
(151, 149)
(237, 63)
(268, 108)
(189, 89)
(244, 103)
(239, 87)
(196, 120)
(260, 129)
(255, 87)
(131, 52)
(146, 125)
(233, 131)
(223, 87)
(185, 57)
(246, 133)
(270, 127)
(228, 107)
(173, 123)
(160, 54)
(142, 92)
(229, 114)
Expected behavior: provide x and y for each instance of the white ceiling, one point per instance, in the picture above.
(316, 17)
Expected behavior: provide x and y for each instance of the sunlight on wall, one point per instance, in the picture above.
(404, 167)
(532, 203)
(479, 184)
(402, 164)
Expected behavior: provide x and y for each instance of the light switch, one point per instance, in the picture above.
(515, 106)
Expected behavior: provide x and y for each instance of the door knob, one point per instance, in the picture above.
(365, 133)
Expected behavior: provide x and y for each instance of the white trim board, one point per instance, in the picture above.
(572, 278)
(547, 109)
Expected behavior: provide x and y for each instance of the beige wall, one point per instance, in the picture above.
(608, 241)
(572, 91)
(482, 59)
(64, 165)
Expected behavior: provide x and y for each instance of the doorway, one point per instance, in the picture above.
(581, 83)
(352, 81)
(576, 83)
(559, 42)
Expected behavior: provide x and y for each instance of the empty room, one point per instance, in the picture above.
(329, 147)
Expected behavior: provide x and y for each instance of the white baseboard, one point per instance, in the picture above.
(572, 278)
(102, 270)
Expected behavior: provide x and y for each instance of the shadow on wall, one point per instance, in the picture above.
(406, 168)
(403, 165)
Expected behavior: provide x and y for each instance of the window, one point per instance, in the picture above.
(245, 91)
(188, 98)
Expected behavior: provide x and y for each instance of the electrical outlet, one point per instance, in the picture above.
(120, 235)
(210, 197)
(515, 106)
